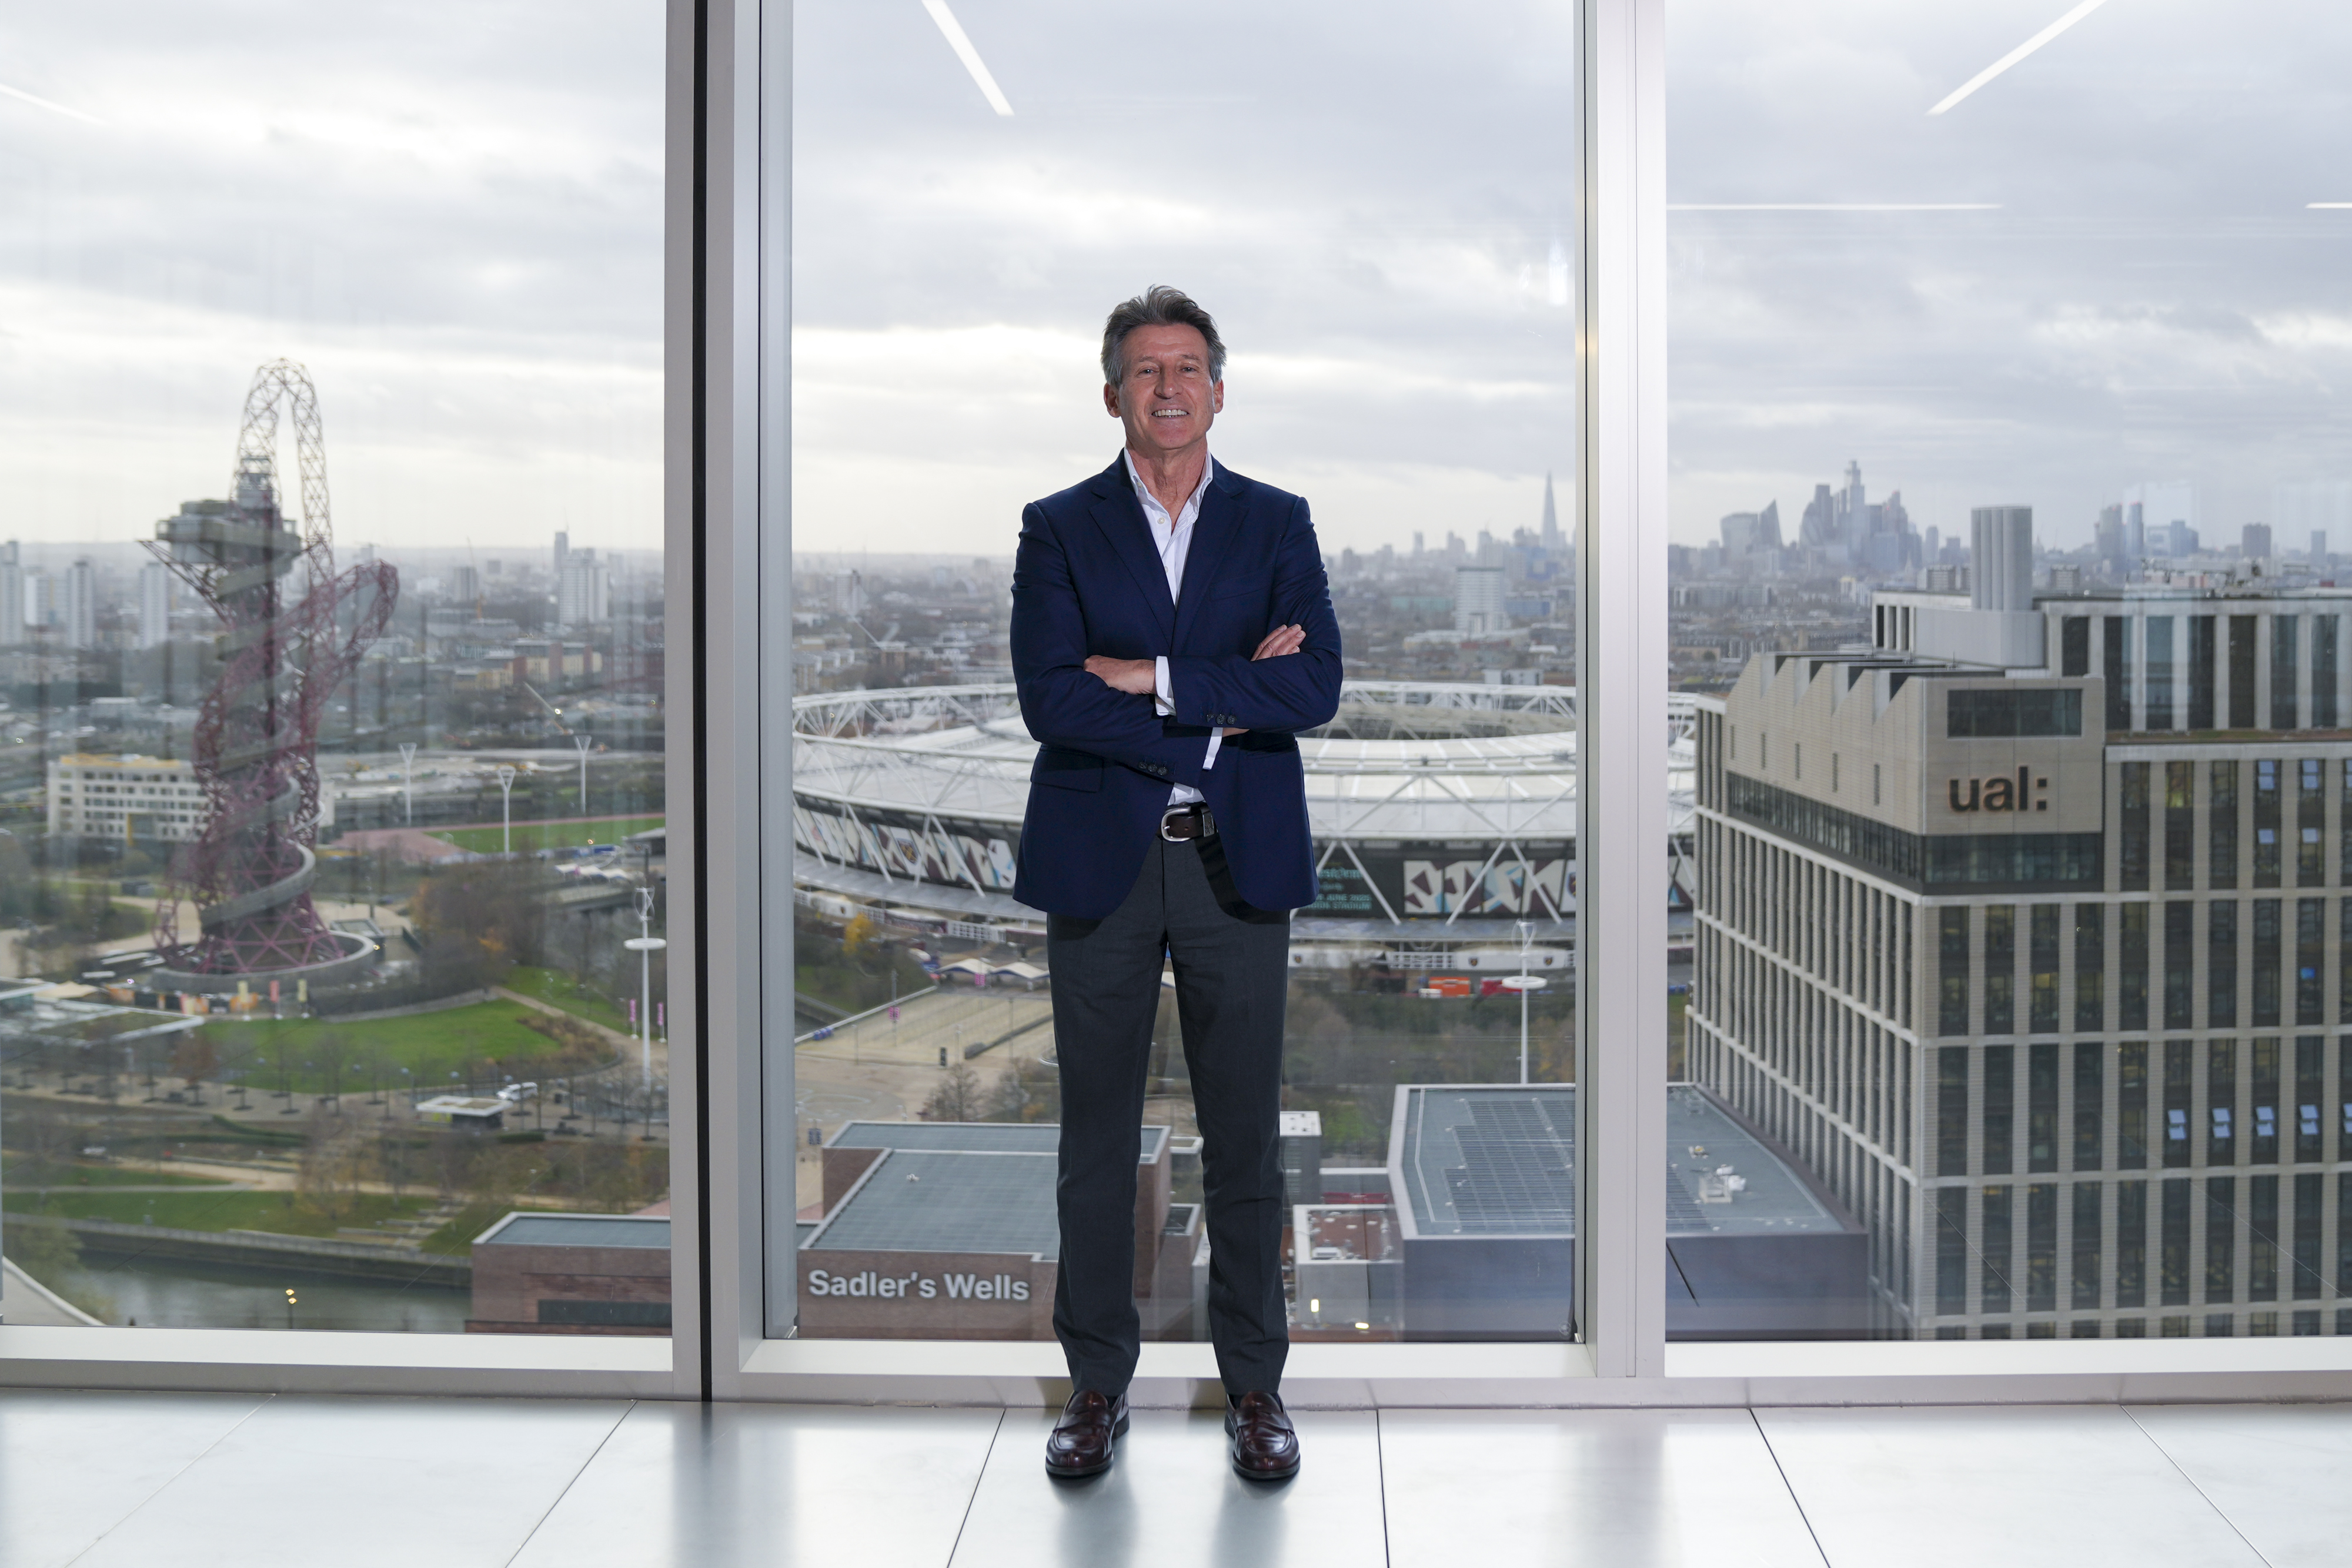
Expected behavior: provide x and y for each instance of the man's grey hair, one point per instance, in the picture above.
(1158, 306)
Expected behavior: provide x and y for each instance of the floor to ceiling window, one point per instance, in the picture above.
(2009, 504)
(1377, 206)
(332, 865)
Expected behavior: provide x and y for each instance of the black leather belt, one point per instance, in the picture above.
(1188, 822)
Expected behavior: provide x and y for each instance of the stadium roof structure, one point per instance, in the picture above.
(1403, 762)
(1496, 1160)
(1403, 759)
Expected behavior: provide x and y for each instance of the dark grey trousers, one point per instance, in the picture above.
(1231, 966)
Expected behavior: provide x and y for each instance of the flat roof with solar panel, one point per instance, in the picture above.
(1500, 1160)
(1485, 1160)
(1483, 1178)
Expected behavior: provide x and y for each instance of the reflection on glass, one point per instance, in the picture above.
(332, 862)
(1909, 341)
(1377, 209)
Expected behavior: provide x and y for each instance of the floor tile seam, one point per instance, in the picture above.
(1380, 1480)
(565, 1491)
(2219, 1512)
(979, 1478)
(259, 1403)
(1788, 1485)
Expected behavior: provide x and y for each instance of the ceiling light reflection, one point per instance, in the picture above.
(2019, 53)
(961, 45)
(23, 97)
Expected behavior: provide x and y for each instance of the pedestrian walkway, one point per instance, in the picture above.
(957, 1019)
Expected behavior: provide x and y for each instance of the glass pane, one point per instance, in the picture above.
(1968, 354)
(1377, 210)
(330, 802)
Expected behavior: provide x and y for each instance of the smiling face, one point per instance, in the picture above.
(1165, 398)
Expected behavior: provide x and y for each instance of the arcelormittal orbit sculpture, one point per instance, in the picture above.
(284, 652)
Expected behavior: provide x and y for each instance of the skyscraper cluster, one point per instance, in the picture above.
(1845, 526)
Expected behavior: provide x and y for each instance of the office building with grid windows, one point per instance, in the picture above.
(2081, 1073)
(138, 799)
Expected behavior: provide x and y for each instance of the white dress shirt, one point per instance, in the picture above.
(1172, 536)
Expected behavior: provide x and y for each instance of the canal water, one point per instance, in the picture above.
(175, 1293)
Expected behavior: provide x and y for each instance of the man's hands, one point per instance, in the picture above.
(1140, 677)
(1282, 640)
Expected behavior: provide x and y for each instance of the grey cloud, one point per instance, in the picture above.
(2136, 309)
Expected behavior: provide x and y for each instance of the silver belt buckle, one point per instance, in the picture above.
(1200, 818)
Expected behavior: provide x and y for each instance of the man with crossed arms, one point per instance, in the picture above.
(1171, 634)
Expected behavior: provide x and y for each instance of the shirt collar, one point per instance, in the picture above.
(1151, 502)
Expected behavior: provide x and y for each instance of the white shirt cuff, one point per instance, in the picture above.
(1162, 698)
(1216, 740)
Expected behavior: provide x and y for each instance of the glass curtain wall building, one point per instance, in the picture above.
(332, 863)
(2020, 768)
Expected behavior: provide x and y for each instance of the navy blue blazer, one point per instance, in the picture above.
(1089, 581)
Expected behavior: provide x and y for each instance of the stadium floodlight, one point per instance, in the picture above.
(644, 945)
(506, 791)
(1523, 983)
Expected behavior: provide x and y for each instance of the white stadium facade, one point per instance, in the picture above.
(1445, 817)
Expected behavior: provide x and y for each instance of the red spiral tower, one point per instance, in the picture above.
(287, 643)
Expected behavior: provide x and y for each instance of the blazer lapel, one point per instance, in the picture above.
(1222, 510)
(1120, 516)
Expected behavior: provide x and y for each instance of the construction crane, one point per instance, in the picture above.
(555, 714)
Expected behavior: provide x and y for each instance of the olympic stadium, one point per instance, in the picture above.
(1444, 815)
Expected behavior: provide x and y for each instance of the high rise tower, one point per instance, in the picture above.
(12, 597)
(154, 604)
(250, 869)
(80, 612)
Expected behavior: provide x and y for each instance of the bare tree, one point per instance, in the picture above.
(194, 1060)
(333, 1159)
(330, 1053)
(958, 1097)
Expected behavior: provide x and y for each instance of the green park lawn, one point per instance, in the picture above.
(430, 1046)
(529, 837)
(281, 1212)
(557, 990)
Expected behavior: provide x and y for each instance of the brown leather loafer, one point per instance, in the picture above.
(1086, 1437)
(1265, 1446)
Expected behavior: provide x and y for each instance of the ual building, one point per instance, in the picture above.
(2024, 929)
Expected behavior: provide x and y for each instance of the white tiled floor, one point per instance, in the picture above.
(159, 1480)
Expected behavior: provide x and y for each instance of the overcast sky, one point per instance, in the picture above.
(2151, 300)
(451, 212)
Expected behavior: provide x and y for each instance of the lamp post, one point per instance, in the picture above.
(582, 743)
(506, 791)
(644, 945)
(408, 780)
(1523, 983)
